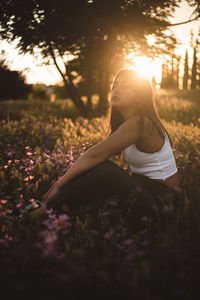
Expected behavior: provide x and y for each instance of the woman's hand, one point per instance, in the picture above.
(53, 191)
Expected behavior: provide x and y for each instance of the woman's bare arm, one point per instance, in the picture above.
(127, 134)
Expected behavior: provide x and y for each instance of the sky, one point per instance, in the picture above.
(36, 73)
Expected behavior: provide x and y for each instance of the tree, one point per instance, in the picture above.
(178, 70)
(169, 74)
(97, 33)
(185, 76)
(198, 59)
(194, 70)
(13, 84)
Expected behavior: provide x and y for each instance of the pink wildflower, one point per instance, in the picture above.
(29, 153)
(3, 201)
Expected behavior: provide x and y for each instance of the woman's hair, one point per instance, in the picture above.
(146, 105)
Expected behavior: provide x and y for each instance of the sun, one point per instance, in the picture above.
(145, 66)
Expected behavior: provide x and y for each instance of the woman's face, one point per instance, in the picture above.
(122, 94)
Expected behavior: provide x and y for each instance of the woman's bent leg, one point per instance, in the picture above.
(108, 179)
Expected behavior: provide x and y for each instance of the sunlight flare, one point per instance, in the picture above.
(145, 66)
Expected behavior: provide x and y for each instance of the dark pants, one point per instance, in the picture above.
(108, 179)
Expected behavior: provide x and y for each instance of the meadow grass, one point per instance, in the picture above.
(96, 250)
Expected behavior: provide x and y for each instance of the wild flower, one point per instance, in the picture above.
(168, 208)
(32, 200)
(29, 153)
(144, 243)
(144, 218)
(113, 202)
(130, 256)
(3, 201)
(138, 188)
(128, 242)
(18, 205)
(109, 234)
(105, 213)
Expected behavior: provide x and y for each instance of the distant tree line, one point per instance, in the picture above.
(191, 76)
(12, 84)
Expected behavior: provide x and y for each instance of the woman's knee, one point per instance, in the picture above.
(105, 165)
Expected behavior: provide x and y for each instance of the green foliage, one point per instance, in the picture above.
(39, 92)
(12, 84)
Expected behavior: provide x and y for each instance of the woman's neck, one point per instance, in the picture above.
(128, 113)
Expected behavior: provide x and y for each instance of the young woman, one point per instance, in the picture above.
(136, 132)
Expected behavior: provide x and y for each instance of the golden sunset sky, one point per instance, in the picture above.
(36, 73)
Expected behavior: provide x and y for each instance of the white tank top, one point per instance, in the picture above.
(157, 165)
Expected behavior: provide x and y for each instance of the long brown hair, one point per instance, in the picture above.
(146, 104)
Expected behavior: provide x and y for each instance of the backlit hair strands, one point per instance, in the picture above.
(145, 102)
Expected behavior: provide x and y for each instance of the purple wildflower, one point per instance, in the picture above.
(113, 202)
(128, 242)
(129, 256)
(109, 234)
(105, 213)
(145, 218)
(168, 208)
(138, 188)
(144, 243)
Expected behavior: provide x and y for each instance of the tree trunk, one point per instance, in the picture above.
(71, 89)
(75, 95)
(194, 73)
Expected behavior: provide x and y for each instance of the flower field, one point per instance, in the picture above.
(95, 251)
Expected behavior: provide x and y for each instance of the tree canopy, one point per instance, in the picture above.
(97, 33)
(12, 83)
